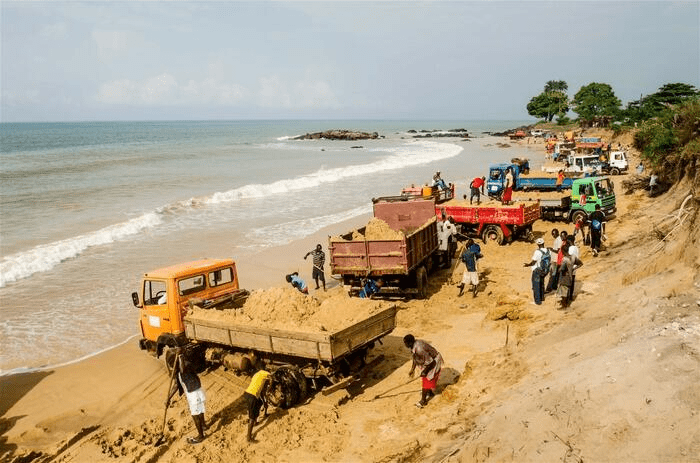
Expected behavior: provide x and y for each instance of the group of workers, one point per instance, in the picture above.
(561, 260)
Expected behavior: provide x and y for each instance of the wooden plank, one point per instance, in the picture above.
(318, 336)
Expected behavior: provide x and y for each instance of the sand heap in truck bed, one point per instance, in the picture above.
(376, 229)
(287, 309)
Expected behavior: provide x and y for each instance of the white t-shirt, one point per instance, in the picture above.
(557, 244)
(445, 230)
(574, 252)
(537, 257)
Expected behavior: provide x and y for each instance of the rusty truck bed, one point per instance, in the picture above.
(318, 346)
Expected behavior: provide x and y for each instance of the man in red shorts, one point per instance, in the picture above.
(430, 361)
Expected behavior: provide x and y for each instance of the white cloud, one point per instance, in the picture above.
(315, 95)
(165, 90)
(306, 94)
(273, 93)
(159, 90)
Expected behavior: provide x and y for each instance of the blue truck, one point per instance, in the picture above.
(497, 180)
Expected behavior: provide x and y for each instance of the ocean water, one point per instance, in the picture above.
(86, 208)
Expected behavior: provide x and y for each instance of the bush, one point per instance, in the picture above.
(671, 141)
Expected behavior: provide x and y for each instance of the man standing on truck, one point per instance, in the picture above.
(319, 258)
(560, 180)
(188, 383)
(508, 191)
(477, 189)
(597, 228)
(539, 264)
(438, 181)
(430, 362)
(470, 256)
(255, 396)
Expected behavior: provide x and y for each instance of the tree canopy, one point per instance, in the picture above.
(653, 105)
(595, 101)
(551, 102)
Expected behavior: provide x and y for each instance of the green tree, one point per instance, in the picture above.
(653, 105)
(551, 102)
(596, 101)
(556, 86)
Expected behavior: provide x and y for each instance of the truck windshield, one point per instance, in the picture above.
(604, 187)
(154, 292)
(190, 285)
(495, 174)
(220, 277)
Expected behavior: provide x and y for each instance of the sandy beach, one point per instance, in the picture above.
(615, 377)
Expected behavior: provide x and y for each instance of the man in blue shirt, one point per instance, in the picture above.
(370, 288)
(297, 282)
(472, 253)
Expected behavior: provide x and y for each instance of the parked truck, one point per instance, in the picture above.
(166, 300)
(580, 203)
(491, 221)
(497, 180)
(402, 261)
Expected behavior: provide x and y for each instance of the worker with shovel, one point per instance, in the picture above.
(319, 258)
(189, 383)
(430, 361)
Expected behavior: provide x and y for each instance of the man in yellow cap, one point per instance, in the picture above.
(255, 395)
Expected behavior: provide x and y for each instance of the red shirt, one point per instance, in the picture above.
(477, 182)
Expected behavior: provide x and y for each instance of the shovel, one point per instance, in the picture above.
(161, 437)
(393, 389)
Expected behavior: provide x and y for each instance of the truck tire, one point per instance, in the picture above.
(422, 283)
(576, 214)
(492, 234)
(615, 171)
(288, 387)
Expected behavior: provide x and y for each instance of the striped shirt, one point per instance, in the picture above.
(319, 258)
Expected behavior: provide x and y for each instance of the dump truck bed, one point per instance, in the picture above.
(492, 212)
(376, 257)
(318, 346)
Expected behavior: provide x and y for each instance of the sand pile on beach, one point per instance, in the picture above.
(287, 308)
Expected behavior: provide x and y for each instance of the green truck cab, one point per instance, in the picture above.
(585, 193)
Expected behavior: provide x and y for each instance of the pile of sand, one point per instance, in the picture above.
(376, 229)
(287, 308)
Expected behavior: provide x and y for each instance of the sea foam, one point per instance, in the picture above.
(411, 154)
(47, 256)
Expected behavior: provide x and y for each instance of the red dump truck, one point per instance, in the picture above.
(402, 261)
(491, 221)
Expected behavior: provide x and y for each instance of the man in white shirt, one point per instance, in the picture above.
(576, 255)
(537, 273)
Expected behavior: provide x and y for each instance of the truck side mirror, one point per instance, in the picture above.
(135, 299)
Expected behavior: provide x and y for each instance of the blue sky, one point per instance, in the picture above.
(460, 60)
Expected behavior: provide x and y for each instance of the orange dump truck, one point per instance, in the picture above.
(326, 359)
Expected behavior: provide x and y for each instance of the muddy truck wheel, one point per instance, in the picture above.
(288, 387)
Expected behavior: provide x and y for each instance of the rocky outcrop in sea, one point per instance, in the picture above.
(338, 135)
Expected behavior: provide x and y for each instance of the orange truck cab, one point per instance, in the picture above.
(166, 293)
